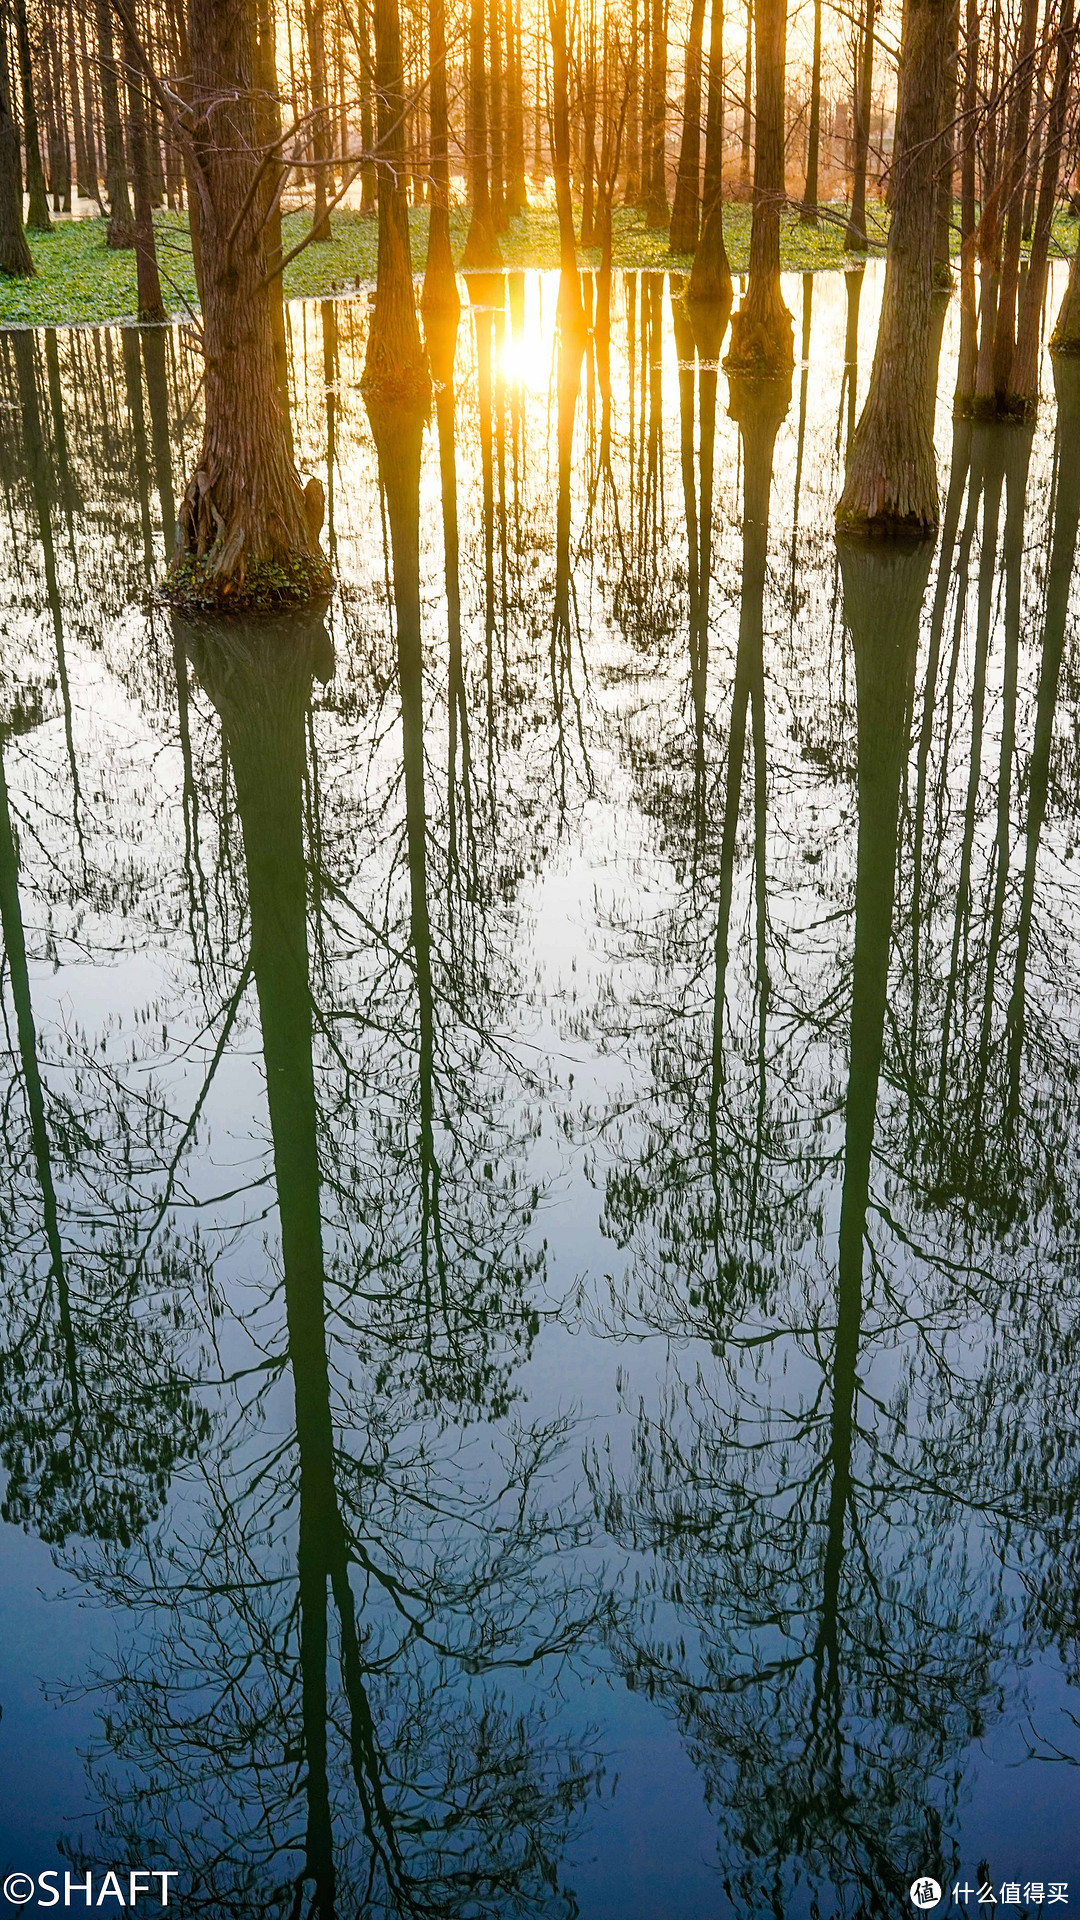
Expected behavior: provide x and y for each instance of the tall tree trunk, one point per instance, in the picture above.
(1022, 392)
(315, 24)
(85, 186)
(481, 246)
(517, 199)
(657, 207)
(685, 210)
(855, 233)
(368, 183)
(248, 534)
(1004, 339)
(891, 483)
(90, 125)
(710, 277)
(943, 277)
(560, 120)
(151, 307)
(121, 227)
(497, 126)
(588, 127)
(969, 317)
(632, 193)
(762, 334)
(395, 364)
(37, 212)
(15, 255)
(811, 190)
(748, 93)
(440, 286)
(270, 137)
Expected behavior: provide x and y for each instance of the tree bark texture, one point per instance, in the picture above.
(710, 276)
(560, 126)
(657, 202)
(891, 484)
(685, 211)
(855, 235)
(809, 215)
(481, 246)
(315, 23)
(1022, 394)
(37, 212)
(395, 363)
(151, 307)
(248, 533)
(440, 286)
(121, 228)
(15, 255)
(762, 335)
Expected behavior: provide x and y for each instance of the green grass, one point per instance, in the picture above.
(80, 280)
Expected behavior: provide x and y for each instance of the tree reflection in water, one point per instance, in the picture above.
(538, 1120)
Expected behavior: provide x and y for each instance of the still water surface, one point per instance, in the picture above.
(540, 1312)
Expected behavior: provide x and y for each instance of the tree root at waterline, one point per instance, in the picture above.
(236, 556)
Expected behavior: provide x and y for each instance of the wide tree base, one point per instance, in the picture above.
(17, 262)
(762, 342)
(710, 275)
(482, 250)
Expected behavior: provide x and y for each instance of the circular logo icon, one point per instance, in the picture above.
(924, 1892)
(19, 1888)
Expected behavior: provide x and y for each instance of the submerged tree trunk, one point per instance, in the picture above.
(121, 228)
(37, 213)
(248, 534)
(891, 483)
(684, 214)
(15, 256)
(395, 363)
(710, 277)
(762, 334)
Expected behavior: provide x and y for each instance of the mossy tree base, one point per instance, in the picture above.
(1002, 408)
(762, 339)
(288, 580)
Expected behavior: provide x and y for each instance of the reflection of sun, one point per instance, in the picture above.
(514, 359)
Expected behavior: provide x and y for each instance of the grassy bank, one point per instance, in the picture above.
(80, 280)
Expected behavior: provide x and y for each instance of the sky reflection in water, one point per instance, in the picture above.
(538, 1345)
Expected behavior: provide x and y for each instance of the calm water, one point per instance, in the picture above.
(540, 1321)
